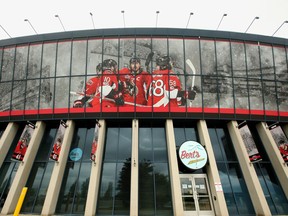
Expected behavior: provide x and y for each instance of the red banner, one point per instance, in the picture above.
(58, 142)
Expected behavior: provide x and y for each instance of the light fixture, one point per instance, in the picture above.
(252, 23)
(221, 20)
(31, 125)
(123, 12)
(286, 21)
(157, 12)
(189, 19)
(92, 20)
(63, 123)
(26, 20)
(57, 16)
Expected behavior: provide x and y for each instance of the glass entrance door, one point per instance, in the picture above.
(196, 195)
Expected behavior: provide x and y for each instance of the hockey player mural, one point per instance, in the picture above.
(281, 140)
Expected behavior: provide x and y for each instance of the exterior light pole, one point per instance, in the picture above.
(252, 23)
(57, 16)
(123, 12)
(286, 21)
(5, 30)
(157, 12)
(26, 20)
(189, 19)
(92, 20)
(221, 20)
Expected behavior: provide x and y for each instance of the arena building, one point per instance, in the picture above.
(144, 121)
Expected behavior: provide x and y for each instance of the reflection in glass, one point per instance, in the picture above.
(20, 68)
(32, 94)
(34, 62)
(63, 58)
(61, 93)
(7, 66)
(79, 51)
(49, 60)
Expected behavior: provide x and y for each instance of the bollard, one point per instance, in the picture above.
(20, 201)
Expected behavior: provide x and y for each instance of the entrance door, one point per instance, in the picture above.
(196, 195)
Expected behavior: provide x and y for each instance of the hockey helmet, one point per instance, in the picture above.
(135, 60)
(108, 64)
(164, 62)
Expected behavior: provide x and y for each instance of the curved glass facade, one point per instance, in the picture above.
(116, 150)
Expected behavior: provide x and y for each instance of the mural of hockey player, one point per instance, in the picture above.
(134, 83)
(94, 143)
(281, 140)
(249, 142)
(57, 143)
(165, 86)
(103, 88)
(22, 144)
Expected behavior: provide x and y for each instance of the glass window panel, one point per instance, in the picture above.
(238, 59)
(46, 145)
(159, 144)
(111, 144)
(94, 55)
(34, 64)
(77, 89)
(223, 56)
(20, 71)
(225, 92)
(176, 49)
(255, 94)
(146, 197)
(280, 62)
(32, 94)
(7, 64)
(267, 63)
(33, 184)
(79, 51)
(145, 144)
(38, 205)
(122, 189)
(106, 190)
(46, 93)
(162, 189)
(160, 46)
(125, 143)
(81, 190)
(5, 96)
(18, 95)
(110, 49)
(127, 50)
(270, 97)
(63, 58)
(68, 187)
(282, 89)
(1, 56)
(215, 144)
(61, 93)
(49, 60)
(88, 144)
(241, 93)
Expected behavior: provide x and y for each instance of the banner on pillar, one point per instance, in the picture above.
(58, 142)
(95, 142)
(280, 139)
(249, 142)
(23, 142)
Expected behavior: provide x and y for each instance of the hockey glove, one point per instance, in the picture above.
(187, 94)
(118, 97)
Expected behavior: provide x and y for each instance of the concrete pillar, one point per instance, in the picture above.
(274, 155)
(173, 170)
(254, 187)
(217, 193)
(50, 202)
(92, 197)
(7, 139)
(134, 170)
(24, 169)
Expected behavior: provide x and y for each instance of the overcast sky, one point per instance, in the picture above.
(75, 15)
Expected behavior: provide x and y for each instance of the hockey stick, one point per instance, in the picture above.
(191, 66)
(148, 61)
(107, 99)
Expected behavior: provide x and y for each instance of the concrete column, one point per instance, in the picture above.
(50, 202)
(24, 169)
(274, 155)
(254, 187)
(217, 193)
(7, 139)
(134, 170)
(92, 196)
(173, 170)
